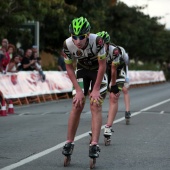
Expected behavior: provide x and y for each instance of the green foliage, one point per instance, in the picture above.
(143, 37)
(145, 66)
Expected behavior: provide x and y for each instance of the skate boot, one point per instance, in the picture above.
(107, 135)
(67, 151)
(93, 154)
(127, 117)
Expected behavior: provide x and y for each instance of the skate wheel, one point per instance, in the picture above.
(92, 163)
(67, 160)
(127, 121)
(107, 141)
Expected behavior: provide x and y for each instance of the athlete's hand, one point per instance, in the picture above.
(96, 98)
(79, 99)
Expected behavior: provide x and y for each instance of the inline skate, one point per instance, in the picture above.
(93, 154)
(127, 117)
(67, 152)
(107, 135)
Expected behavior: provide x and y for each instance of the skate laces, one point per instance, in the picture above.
(94, 148)
(108, 129)
(68, 146)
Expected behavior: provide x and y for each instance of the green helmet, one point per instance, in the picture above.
(79, 26)
(105, 36)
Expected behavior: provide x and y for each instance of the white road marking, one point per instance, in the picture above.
(162, 112)
(21, 114)
(45, 113)
(89, 112)
(47, 151)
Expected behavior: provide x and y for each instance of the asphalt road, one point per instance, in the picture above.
(33, 137)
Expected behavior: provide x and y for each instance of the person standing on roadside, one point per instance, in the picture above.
(61, 63)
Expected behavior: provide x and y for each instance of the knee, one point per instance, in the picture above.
(95, 108)
(77, 109)
(113, 99)
(125, 90)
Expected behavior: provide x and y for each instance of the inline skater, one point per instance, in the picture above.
(116, 71)
(125, 91)
(90, 53)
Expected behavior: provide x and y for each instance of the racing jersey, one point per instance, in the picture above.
(113, 57)
(120, 60)
(87, 57)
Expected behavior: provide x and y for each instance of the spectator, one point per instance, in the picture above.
(61, 63)
(11, 50)
(21, 54)
(13, 64)
(5, 60)
(4, 56)
(1, 58)
(4, 44)
(38, 66)
(27, 64)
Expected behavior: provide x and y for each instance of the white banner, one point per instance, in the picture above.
(23, 84)
(143, 77)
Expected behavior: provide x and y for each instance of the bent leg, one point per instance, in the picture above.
(113, 108)
(73, 122)
(126, 98)
(96, 122)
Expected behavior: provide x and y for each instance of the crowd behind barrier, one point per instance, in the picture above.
(27, 85)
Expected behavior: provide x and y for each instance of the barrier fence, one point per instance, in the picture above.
(27, 87)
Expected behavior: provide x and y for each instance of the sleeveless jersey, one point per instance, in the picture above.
(88, 57)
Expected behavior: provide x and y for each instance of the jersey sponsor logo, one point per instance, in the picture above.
(87, 61)
(79, 53)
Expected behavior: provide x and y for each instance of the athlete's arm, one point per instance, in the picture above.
(115, 63)
(113, 74)
(126, 58)
(100, 74)
(95, 94)
(79, 97)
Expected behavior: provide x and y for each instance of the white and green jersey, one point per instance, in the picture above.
(87, 57)
(117, 56)
(119, 59)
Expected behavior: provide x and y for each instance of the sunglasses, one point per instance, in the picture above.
(80, 37)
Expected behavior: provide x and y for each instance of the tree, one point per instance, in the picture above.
(13, 13)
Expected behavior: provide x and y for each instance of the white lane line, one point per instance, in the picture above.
(89, 112)
(162, 112)
(47, 151)
(45, 113)
(21, 114)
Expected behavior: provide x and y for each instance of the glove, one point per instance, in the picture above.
(114, 89)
